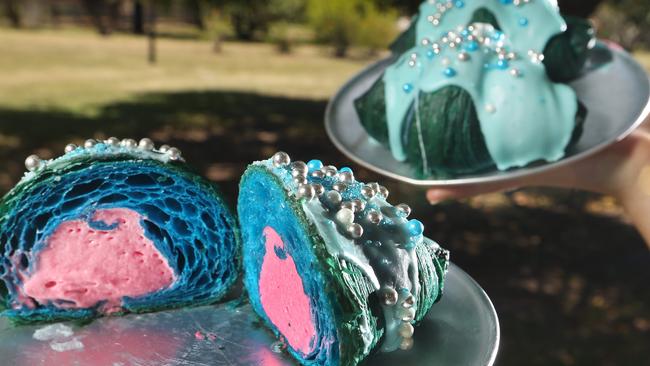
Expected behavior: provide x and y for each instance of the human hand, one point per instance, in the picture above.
(621, 170)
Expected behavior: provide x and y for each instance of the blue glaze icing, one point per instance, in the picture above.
(523, 115)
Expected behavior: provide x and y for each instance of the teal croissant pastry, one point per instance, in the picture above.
(330, 265)
(111, 227)
(480, 84)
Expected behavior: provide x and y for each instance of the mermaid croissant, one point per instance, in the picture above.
(113, 227)
(329, 265)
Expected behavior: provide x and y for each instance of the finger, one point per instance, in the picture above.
(436, 195)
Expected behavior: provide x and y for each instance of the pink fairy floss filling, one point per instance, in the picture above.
(84, 266)
(283, 296)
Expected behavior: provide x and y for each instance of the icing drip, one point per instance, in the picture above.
(360, 227)
(524, 116)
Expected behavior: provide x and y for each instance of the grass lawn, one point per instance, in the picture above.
(568, 276)
(81, 71)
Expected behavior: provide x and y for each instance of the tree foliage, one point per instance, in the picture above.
(342, 23)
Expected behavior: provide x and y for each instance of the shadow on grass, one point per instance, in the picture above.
(570, 287)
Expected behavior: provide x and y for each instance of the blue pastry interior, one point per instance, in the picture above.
(263, 202)
(182, 215)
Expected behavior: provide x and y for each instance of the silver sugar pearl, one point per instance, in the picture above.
(70, 148)
(90, 143)
(344, 216)
(406, 330)
(299, 181)
(330, 171)
(515, 72)
(32, 162)
(281, 158)
(367, 192)
(375, 217)
(319, 189)
(129, 143)
(463, 56)
(307, 192)
(164, 148)
(407, 344)
(406, 209)
(300, 166)
(340, 187)
(409, 302)
(318, 174)
(355, 231)
(359, 205)
(346, 177)
(406, 314)
(388, 296)
(334, 197)
(383, 191)
(349, 205)
(412, 63)
(112, 141)
(174, 153)
(146, 144)
(298, 173)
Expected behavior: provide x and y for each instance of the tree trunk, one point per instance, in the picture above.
(138, 17)
(217, 46)
(114, 14)
(196, 14)
(97, 9)
(13, 13)
(151, 18)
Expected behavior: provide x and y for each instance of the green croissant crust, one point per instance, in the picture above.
(451, 133)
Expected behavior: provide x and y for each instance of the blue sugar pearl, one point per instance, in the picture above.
(459, 4)
(506, 2)
(523, 22)
(314, 165)
(497, 35)
(404, 290)
(472, 46)
(502, 64)
(415, 227)
(431, 54)
(408, 87)
(345, 169)
(449, 72)
(464, 33)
